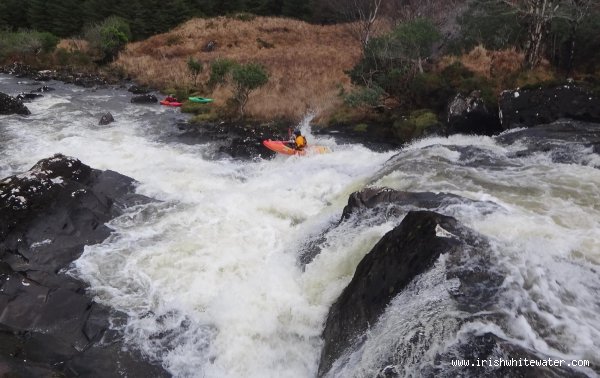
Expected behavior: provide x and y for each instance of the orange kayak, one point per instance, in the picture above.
(282, 147)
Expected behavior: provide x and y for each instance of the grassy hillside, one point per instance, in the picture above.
(306, 63)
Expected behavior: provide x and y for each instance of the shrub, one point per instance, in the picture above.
(195, 67)
(392, 61)
(219, 69)
(174, 39)
(109, 37)
(247, 78)
(363, 96)
(64, 57)
(492, 24)
(244, 16)
(27, 42)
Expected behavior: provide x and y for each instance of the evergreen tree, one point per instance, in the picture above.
(38, 16)
(296, 9)
(13, 14)
(66, 17)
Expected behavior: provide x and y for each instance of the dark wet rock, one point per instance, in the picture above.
(106, 119)
(531, 107)
(144, 99)
(47, 216)
(566, 141)
(403, 253)
(210, 46)
(240, 141)
(376, 137)
(28, 96)
(394, 202)
(43, 89)
(380, 204)
(138, 89)
(389, 371)
(10, 105)
(45, 75)
(469, 115)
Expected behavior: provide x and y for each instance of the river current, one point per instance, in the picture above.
(210, 276)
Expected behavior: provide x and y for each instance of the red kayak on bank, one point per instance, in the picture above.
(170, 103)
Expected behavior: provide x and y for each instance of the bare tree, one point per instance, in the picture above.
(366, 12)
(577, 11)
(361, 16)
(540, 14)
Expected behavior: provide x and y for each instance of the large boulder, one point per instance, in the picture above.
(531, 107)
(402, 254)
(135, 89)
(47, 216)
(469, 115)
(144, 99)
(10, 105)
(210, 46)
(106, 119)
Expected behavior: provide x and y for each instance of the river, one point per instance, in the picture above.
(209, 276)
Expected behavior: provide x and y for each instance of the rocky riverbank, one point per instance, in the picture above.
(49, 326)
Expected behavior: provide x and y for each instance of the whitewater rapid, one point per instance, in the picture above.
(210, 278)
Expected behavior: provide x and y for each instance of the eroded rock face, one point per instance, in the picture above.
(10, 105)
(531, 107)
(403, 253)
(48, 325)
(469, 115)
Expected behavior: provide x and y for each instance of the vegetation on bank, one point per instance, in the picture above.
(394, 64)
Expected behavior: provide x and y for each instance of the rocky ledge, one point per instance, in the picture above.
(10, 105)
(237, 140)
(532, 107)
(48, 325)
(67, 75)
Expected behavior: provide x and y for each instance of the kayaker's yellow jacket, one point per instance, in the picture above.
(300, 142)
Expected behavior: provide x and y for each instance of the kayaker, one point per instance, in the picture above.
(298, 141)
(171, 98)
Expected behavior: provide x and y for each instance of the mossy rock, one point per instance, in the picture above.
(416, 125)
(361, 128)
